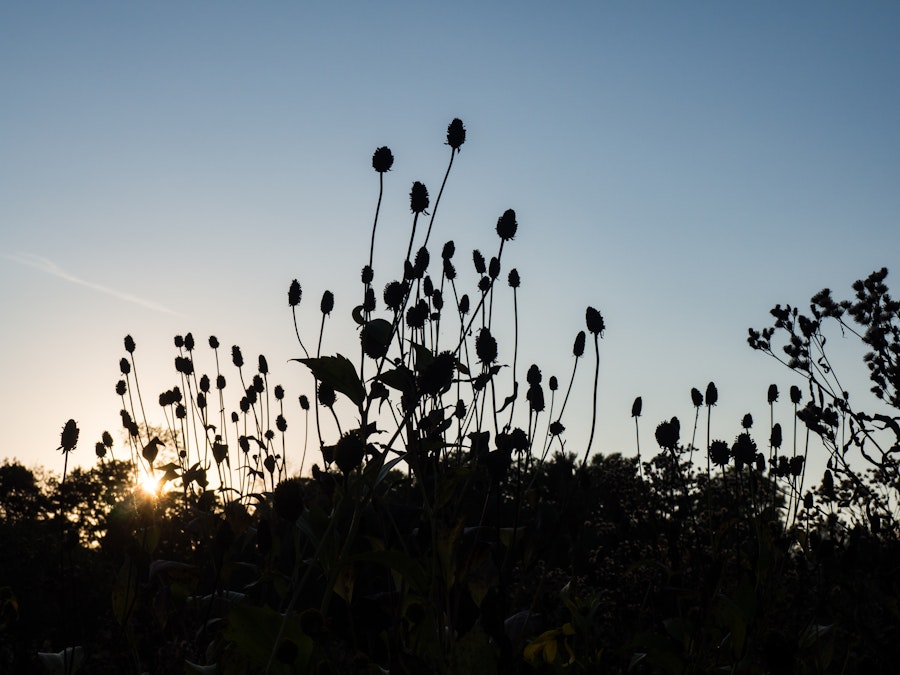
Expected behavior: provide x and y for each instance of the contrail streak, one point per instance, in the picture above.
(49, 267)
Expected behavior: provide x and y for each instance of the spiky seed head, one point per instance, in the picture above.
(594, 321)
(129, 344)
(418, 198)
(263, 365)
(327, 303)
(69, 437)
(220, 382)
(213, 342)
(189, 342)
(578, 347)
(534, 375)
(747, 421)
(696, 397)
(448, 250)
(553, 383)
(775, 439)
(513, 278)
(236, 357)
(382, 159)
(486, 347)
(796, 394)
(636, 407)
(295, 292)
(367, 274)
(120, 387)
(494, 267)
(478, 259)
(507, 225)
(456, 134)
(712, 394)
(772, 394)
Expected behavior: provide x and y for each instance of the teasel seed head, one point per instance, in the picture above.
(578, 347)
(295, 292)
(486, 347)
(712, 394)
(236, 357)
(637, 406)
(213, 342)
(507, 225)
(418, 198)
(513, 278)
(129, 344)
(69, 437)
(594, 321)
(696, 397)
(327, 303)
(382, 159)
(456, 134)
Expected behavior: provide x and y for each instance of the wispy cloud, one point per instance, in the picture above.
(49, 267)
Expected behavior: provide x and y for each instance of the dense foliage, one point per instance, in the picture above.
(444, 527)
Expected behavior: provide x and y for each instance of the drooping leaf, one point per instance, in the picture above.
(339, 374)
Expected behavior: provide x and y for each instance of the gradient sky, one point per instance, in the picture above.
(170, 167)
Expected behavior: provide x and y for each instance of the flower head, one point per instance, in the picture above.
(129, 344)
(418, 198)
(382, 159)
(69, 437)
(456, 134)
(295, 292)
(486, 347)
(507, 225)
(594, 320)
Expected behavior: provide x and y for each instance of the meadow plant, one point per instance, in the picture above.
(446, 527)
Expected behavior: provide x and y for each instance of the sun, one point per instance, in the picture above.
(149, 484)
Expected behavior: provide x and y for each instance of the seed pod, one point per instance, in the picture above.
(456, 134)
(382, 159)
(295, 292)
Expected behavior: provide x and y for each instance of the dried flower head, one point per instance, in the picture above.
(189, 342)
(288, 499)
(775, 439)
(448, 250)
(107, 439)
(553, 383)
(327, 395)
(213, 342)
(393, 295)
(204, 384)
(456, 134)
(578, 347)
(418, 198)
(535, 397)
(513, 278)
(719, 453)
(279, 392)
(327, 303)
(772, 394)
(369, 300)
(486, 347)
(120, 387)
(478, 259)
(712, 394)
(263, 365)
(382, 159)
(295, 292)
(281, 423)
(367, 274)
(179, 341)
(594, 320)
(349, 452)
(494, 267)
(507, 225)
(696, 397)
(124, 366)
(236, 357)
(304, 402)
(421, 262)
(636, 407)
(129, 344)
(668, 433)
(464, 304)
(69, 437)
(220, 382)
(747, 421)
(534, 375)
(100, 450)
(796, 394)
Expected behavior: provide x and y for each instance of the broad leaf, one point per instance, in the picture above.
(339, 373)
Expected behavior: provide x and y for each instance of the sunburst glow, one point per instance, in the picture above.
(148, 484)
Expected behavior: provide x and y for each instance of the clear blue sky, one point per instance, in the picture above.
(170, 167)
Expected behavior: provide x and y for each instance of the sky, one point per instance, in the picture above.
(682, 167)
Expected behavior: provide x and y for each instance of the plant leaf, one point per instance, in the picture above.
(339, 373)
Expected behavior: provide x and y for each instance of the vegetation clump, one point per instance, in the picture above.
(445, 525)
